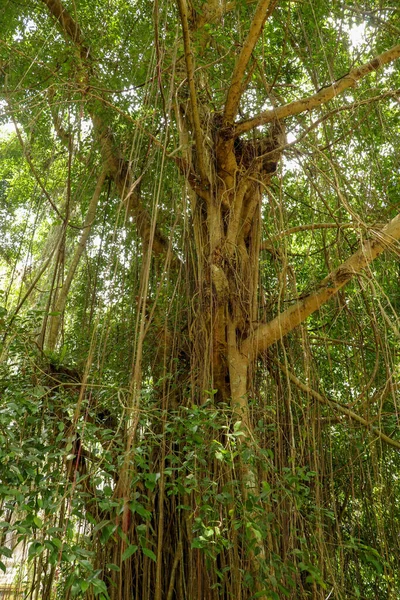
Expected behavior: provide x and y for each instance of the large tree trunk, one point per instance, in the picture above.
(228, 238)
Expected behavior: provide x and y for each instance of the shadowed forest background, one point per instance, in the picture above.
(199, 279)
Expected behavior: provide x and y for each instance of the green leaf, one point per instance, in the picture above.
(106, 533)
(99, 587)
(4, 551)
(35, 549)
(150, 554)
(129, 551)
(140, 509)
(57, 542)
(38, 522)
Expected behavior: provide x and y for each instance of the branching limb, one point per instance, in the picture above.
(117, 166)
(68, 25)
(198, 133)
(329, 114)
(263, 11)
(338, 407)
(267, 334)
(322, 96)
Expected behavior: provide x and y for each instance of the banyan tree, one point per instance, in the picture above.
(199, 299)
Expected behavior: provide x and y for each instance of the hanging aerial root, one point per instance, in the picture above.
(336, 406)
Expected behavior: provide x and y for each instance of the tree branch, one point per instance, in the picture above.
(68, 25)
(117, 166)
(263, 11)
(338, 407)
(322, 96)
(267, 334)
(198, 134)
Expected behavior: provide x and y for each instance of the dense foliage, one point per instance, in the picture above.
(199, 303)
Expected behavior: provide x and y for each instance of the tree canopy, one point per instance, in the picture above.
(199, 281)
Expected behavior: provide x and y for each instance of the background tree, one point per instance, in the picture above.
(194, 404)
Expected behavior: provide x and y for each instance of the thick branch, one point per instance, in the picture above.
(269, 333)
(127, 187)
(263, 11)
(198, 134)
(67, 24)
(117, 166)
(322, 96)
(339, 407)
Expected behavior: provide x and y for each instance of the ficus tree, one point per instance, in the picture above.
(200, 297)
